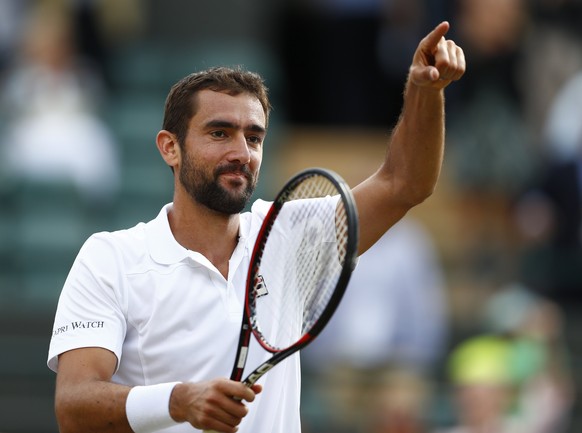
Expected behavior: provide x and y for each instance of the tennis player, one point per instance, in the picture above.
(148, 320)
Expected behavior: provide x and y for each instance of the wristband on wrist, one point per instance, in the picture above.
(148, 407)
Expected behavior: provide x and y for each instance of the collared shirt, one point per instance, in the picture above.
(169, 315)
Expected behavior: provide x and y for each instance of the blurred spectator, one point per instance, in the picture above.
(104, 27)
(490, 154)
(373, 362)
(549, 214)
(488, 123)
(11, 16)
(513, 379)
(551, 55)
(563, 128)
(50, 101)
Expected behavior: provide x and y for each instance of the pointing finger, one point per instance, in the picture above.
(432, 40)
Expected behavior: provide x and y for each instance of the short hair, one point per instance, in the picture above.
(181, 105)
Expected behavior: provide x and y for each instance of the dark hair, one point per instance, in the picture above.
(181, 104)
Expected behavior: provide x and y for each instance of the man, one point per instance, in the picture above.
(148, 319)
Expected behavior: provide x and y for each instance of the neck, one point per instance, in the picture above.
(205, 231)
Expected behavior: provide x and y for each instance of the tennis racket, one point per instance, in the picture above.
(300, 266)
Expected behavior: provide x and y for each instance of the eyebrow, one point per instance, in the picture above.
(226, 124)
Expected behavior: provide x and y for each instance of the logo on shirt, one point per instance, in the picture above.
(260, 287)
(78, 325)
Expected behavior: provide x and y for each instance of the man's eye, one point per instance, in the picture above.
(218, 134)
(254, 139)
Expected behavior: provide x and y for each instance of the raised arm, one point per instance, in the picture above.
(414, 155)
(87, 401)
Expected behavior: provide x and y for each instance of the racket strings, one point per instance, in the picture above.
(304, 256)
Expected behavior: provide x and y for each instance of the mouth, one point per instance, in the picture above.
(235, 175)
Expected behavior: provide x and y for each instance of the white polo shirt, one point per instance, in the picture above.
(169, 315)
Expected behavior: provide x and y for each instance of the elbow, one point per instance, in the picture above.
(413, 195)
(409, 188)
(423, 194)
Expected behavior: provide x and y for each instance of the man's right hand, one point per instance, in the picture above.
(216, 405)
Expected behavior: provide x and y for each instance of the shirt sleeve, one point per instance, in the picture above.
(91, 308)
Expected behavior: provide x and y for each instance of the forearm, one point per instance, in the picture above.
(94, 406)
(415, 153)
(87, 401)
(411, 166)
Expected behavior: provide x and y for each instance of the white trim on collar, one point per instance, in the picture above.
(162, 246)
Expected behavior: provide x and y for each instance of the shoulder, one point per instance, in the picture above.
(129, 244)
(260, 208)
(119, 250)
(110, 244)
(106, 255)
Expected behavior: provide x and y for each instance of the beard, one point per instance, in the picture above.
(206, 189)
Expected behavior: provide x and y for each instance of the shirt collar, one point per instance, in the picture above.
(163, 247)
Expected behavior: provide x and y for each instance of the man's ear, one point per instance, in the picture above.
(169, 148)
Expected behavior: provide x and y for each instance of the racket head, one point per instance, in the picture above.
(302, 261)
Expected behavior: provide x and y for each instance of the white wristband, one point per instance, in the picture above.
(148, 407)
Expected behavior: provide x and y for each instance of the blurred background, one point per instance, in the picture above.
(463, 318)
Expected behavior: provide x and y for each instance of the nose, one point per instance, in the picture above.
(240, 150)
